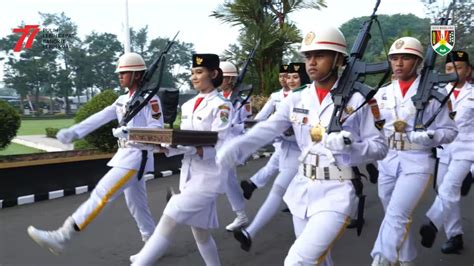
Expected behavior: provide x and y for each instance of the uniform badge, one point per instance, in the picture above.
(224, 116)
(248, 107)
(224, 107)
(400, 126)
(317, 133)
(375, 109)
(349, 110)
(155, 106)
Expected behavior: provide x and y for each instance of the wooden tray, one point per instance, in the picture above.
(173, 136)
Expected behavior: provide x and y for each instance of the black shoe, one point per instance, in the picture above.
(428, 234)
(244, 238)
(248, 187)
(286, 210)
(453, 245)
(353, 223)
(169, 193)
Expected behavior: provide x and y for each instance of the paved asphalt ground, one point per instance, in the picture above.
(113, 237)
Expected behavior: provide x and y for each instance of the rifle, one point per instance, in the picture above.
(355, 70)
(148, 86)
(239, 87)
(429, 78)
(349, 83)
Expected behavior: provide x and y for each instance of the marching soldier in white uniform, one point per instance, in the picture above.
(261, 178)
(321, 197)
(405, 172)
(234, 194)
(128, 164)
(201, 181)
(455, 162)
(288, 165)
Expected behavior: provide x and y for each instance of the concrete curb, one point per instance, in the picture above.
(32, 198)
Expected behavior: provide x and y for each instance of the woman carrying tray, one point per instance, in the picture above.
(201, 181)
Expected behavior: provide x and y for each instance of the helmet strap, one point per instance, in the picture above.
(131, 80)
(333, 68)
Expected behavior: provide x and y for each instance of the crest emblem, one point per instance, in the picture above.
(442, 38)
(399, 44)
(297, 68)
(199, 60)
(309, 38)
(285, 67)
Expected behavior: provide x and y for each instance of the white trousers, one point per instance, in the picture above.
(445, 211)
(112, 184)
(261, 178)
(315, 237)
(399, 195)
(234, 192)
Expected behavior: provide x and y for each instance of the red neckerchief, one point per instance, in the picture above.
(405, 85)
(197, 102)
(456, 92)
(321, 92)
(226, 94)
(285, 93)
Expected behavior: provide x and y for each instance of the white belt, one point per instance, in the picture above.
(123, 143)
(331, 172)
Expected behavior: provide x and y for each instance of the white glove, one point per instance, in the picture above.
(120, 132)
(66, 135)
(226, 157)
(335, 141)
(424, 138)
(187, 150)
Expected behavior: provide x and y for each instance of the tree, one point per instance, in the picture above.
(266, 21)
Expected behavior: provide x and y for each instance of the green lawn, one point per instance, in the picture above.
(37, 127)
(14, 148)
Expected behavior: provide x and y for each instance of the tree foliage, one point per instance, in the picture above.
(101, 138)
(83, 66)
(266, 21)
(10, 121)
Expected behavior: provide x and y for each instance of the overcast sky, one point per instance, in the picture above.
(191, 17)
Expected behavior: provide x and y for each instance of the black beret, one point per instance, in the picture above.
(284, 68)
(211, 61)
(457, 56)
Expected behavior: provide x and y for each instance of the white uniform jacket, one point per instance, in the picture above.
(240, 115)
(271, 105)
(129, 155)
(302, 111)
(214, 113)
(393, 106)
(462, 148)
